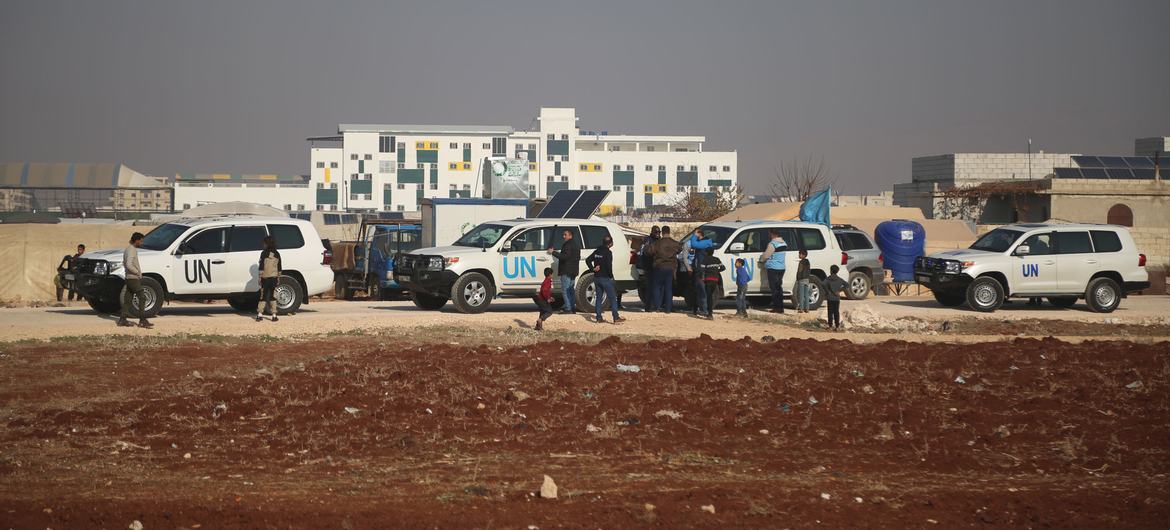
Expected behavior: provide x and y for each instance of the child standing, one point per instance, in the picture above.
(742, 277)
(802, 283)
(712, 268)
(833, 287)
(544, 299)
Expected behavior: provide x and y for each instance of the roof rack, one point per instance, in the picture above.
(844, 227)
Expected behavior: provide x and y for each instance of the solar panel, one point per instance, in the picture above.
(1113, 161)
(1143, 173)
(1119, 173)
(1093, 172)
(559, 204)
(1139, 161)
(1068, 173)
(1087, 161)
(587, 204)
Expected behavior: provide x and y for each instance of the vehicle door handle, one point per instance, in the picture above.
(1049, 262)
(1091, 261)
(217, 262)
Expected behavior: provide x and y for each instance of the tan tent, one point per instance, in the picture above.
(33, 251)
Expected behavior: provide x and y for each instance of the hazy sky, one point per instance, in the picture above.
(236, 86)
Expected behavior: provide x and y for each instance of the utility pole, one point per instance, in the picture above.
(1029, 159)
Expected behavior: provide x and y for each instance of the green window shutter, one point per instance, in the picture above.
(719, 182)
(410, 176)
(402, 155)
(434, 175)
(662, 177)
(467, 154)
(688, 178)
(557, 147)
(629, 199)
(326, 196)
(386, 196)
(649, 200)
(623, 178)
(361, 186)
(427, 156)
(554, 187)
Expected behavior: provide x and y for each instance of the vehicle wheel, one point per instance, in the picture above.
(949, 299)
(245, 304)
(816, 294)
(287, 296)
(859, 285)
(153, 302)
(105, 307)
(374, 290)
(985, 294)
(472, 293)
(586, 292)
(428, 302)
(341, 290)
(1103, 295)
(1062, 301)
(759, 301)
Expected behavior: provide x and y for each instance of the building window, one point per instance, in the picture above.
(649, 148)
(1120, 214)
(401, 186)
(679, 168)
(552, 136)
(385, 166)
(551, 178)
(333, 165)
(467, 186)
(451, 165)
(353, 176)
(712, 169)
(320, 165)
(369, 157)
(615, 148)
(467, 145)
(401, 207)
(550, 158)
(564, 158)
(487, 146)
(694, 168)
(617, 188)
(499, 146)
(531, 147)
(597, 187)
(434, 185)
(630, 167)
(353, 156)
(385, 144)
(401, 146)
(583, 188)
(421, 166)
(186, 206)
(649, 168)
(564, 179)
(454, 186)
(661, 168)
(564, 137)
(454, 145)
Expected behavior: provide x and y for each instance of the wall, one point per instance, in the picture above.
(32, 252)
(1088, 201)
(296, 198)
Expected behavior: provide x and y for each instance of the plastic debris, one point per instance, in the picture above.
(1136, 385)
(136, 525)
(592, 428)
(784, 407)
(633, 368)
(667, 414)
(352, 410)
(812, 400)
(826, 496)
(548, 490)
(867, 389)
(959, 379)
(218, 411)
(709, 508)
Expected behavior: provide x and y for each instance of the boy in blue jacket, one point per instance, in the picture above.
(742, 277)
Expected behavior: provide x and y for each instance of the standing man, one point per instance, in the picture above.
(646, 267)
(568, 266)
(134, 284)
(772, 261)
(697, 247)
(601, 261)
(68, 263)
(664, 255)
(270, 269)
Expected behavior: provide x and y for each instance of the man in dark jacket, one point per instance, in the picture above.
(601, 261)
(568, 266)
(664, 254)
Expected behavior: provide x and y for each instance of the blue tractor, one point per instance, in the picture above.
(372, 270)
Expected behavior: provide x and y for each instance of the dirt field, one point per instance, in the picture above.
(440, 430)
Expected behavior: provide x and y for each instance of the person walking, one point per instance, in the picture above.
(710, 272)
(544, 300)
(803, 282)
(664, 255)
(270, 269)
(742, 278)
(601, 261)
(134, 285)
(772, 261)
(68, 263)
(833, 287)
(646, 267)
(568, 266)
(696, 249)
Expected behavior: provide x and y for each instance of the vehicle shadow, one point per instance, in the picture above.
(1011, 305)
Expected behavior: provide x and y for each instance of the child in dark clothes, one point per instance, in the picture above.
(742, 277)
(544, 299)
(833, 287)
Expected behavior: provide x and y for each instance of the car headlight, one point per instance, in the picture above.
(101, 268)
(435, 264)
(953, 267)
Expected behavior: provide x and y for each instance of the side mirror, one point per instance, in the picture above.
(504, 249)
(736, 247)
(1023, 250)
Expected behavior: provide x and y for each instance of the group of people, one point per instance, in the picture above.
(665, 258)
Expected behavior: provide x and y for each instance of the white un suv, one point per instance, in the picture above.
(213, 258)
(1062, 262)
(507, 258)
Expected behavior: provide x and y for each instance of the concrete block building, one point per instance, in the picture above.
(371, 168)
(291, 193)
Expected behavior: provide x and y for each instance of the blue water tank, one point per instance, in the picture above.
(901, 242)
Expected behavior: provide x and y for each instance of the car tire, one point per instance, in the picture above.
(586, 293)
(374, 291)
(288, 295)
(860, 284)
(1103, 295)
(816, 293)
(1062, 301)
(341, 290)
(949, 299)
(428, 302)
(245, 304)
(105, 307)
(985, 294)
(472, 293)
(155, 297)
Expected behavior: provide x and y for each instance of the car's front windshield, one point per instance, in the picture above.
(161, 237)
(998, 240)
(484, 235)
(717, 234)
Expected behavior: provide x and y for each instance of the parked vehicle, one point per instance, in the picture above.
(863, 261)
(1062, 262)
(747, 240)
(506, 258)
(211, 259)
(378, 244)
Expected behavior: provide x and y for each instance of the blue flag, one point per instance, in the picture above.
(816, 208)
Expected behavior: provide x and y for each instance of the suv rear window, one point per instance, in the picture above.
(1073, 243)
(286, 236)
(1105, 241)
(594, 235)
(811, 238)
(247, 238)
(852, 241)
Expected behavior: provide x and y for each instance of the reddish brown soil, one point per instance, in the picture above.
(1041, 434)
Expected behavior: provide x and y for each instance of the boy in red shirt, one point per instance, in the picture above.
(544, 299)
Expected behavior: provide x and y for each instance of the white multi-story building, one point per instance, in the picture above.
(390, 167)
(287, 192)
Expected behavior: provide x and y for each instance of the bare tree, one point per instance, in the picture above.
(799, 179)
(707, 206)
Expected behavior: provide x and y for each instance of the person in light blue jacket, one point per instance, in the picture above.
(698, 245)
(773, 262)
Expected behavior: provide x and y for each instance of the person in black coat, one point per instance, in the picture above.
(601, 261)
(568, 266)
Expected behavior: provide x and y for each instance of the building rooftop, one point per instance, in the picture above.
(424, 129)
(74, 175)
(241, 178)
